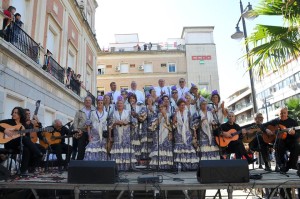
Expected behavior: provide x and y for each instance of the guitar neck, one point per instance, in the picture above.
(29, 130)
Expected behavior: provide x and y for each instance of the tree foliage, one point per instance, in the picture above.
(293, 106)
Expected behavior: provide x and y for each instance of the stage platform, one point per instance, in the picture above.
(185, 182)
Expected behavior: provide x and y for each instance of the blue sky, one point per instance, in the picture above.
(158, 20)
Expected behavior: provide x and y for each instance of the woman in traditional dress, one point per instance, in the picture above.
(184, 153)
(162, 153)
(146, 134)
(107, 103)
(209, 150)
(122, 151)
(135, 110)
(218, 109)
(174, 97)
(96, 149)
(188, 106)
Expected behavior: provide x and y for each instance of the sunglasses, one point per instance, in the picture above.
(181, 81)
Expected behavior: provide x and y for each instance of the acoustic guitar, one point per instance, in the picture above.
(33, 135)
(224, 141)
(250, 136)
(55, 138)
(279, 130)
(19, 130)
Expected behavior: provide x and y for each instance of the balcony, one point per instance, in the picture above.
(243, 108)
(22, 41)
(26, 45)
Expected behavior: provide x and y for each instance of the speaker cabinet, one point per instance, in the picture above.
(92, 172)
(223, 171)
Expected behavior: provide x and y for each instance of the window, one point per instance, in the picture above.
(89, 17)
(108, 66)
(163, 65)
(124, 68)
(100, 91)
(88, 82)
(51, 40)
(48, 118)
(101, 70)
(124, 88)
(21, 8)
(10, 103)
(71, 61)
(132, 65)
(148, 67)
(203, 87)
(171, 68)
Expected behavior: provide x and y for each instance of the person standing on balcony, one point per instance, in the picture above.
(17, 30)
(182, 89)
(161, 89)
(150, 46)
(139, 94)
(8, 18)
(82, 124)
(145, 47)
(114, 93)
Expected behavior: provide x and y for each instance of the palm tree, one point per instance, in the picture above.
(293, 106)
(275, 46)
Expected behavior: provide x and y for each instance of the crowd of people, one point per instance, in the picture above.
(169, 127)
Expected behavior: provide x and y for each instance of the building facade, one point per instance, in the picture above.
(193, 57)
(240, 102)
(39, 60)
(276, 88)
(272, 92)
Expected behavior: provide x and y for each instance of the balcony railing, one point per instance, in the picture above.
(52, 67)
(92, 96)
(21, 40)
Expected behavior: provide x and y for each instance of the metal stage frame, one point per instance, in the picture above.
(184, 181)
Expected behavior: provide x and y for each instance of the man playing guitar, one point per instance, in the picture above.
(61, 147)
(258, 144)
(237, 146)
(32, 124)
(29, 149)
(288, 144)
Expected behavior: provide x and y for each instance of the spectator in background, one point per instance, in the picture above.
(18, 20)
(138, 47)
(150, 46)
(8, 18)
(145, 47)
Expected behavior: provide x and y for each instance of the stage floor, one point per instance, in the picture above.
(184, 182)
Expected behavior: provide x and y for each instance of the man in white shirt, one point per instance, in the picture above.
(114, 93)
(161, 89)
(139, 94)
(182, 89)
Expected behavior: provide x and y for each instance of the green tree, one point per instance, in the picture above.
(205, 94)
(274, 46)
(293, 106)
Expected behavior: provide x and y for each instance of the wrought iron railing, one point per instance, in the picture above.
(52, 67)
(21, 40)
(75, 86)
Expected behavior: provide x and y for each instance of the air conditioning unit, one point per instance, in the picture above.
(141, 67)
(117, 68)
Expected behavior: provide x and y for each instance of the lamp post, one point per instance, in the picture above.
(245, 13)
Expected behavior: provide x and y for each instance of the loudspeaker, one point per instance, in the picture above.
(223, 171)
(4, 173)
(92, 172)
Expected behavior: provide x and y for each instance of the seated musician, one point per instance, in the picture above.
(258, 144)
(237, 146)
(29, 149)
(31, 124)
(61, 147)
(288, 144)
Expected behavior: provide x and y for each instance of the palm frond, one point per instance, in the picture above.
(272, 46)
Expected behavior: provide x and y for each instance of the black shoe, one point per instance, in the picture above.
(267, 168)
(251, 161)
(283, 169)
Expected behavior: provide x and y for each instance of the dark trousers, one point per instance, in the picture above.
(81, 144)
(30, 151)
(258, 144)
(60, 149)
(291, 145)
(238, 148)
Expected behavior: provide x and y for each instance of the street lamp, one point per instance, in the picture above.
(246, 13)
